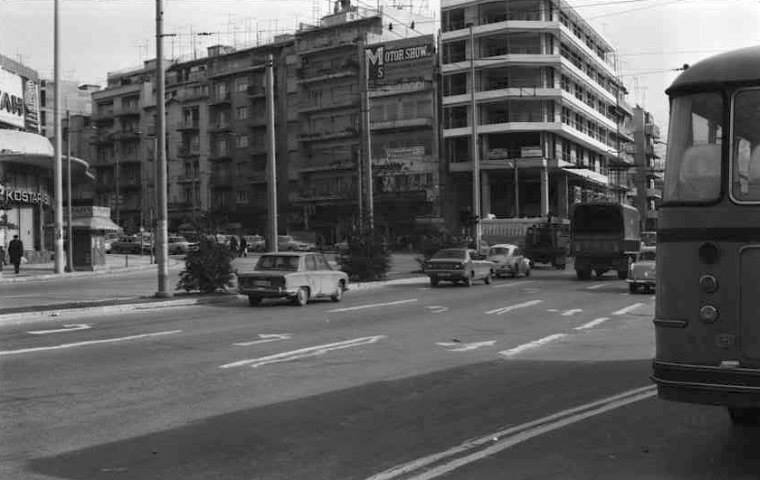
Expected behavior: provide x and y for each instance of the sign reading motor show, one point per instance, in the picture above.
(21, 196)
(391, 64)
(11, 99)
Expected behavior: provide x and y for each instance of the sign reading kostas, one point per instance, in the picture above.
(381, 60)
(12, 195)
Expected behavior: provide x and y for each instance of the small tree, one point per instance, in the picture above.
(207, 269)
(367, 257)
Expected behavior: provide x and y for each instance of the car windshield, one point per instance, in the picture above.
(277, 262)
(499, 251)
(451, 253)
(647, 256)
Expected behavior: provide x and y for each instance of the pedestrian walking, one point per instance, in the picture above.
(16, 251)
(2, 257)
(233, 243)
(243, 247)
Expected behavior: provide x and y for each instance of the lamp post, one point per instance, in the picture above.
(474, 145)
(161, 192)
(70, 230)
(57, 164)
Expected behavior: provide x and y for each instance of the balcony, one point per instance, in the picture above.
(323, 136)
(102, 115)
(179, 206)
(652, 130)
(255, 91)
(217, 155)
(130, 160)
(222, 179)
(187, 178)
(188, 150)
(220, 127)
(403, 124)
(127, 135)
(130, 183)
(220, 98)
(127, 110)
(257, 177)
(189, 125)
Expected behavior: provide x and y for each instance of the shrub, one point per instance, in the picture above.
(207, 269)
(367, 257)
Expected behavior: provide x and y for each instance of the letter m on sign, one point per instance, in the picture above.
(374, 58)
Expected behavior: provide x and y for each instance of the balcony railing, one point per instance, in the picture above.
(189, 125)
(220, 98)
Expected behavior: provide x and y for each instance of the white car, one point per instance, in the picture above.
(509, 260)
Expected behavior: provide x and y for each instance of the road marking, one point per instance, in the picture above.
(304, 352)
(437, 308)
(266, 338)
(89, 342)
(464, 347)
(372, 305)
(470, 451)
(503, 310)
(627, 309)
(513, 284)
(572, 311)
(594, 287)
(531, 290)
(66, 328)
(552, 310)
(592, 323)
(531, 345)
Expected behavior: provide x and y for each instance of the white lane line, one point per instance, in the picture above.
(372, 305)
(484, 446)
(627, 309)
(304, 352)
(437, 308)
(266, 338)
(66, 328)
(592, 323)
(465, 347)
(531, 345)
(513, 284)
(572, 311)
(89, 342)
(594, 287)
(503, 310)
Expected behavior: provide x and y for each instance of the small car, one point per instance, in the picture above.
(298, 276)
(509, 260)
(255, 243)
(642, 272)
(458, 265)
(177, 244)
(286, 243)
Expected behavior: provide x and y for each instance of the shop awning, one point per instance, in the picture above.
(95, 223)
(35, 150)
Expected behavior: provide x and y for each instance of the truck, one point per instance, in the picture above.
(548, 242)
(603, 236)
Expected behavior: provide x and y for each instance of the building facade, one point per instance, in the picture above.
(648, 176)
(76, 98)
(531, 88)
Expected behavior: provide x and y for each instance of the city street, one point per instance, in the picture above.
(538, 377)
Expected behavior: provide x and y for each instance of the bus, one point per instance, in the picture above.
(707, 310)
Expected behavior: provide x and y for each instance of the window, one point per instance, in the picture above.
(241, 84)
(694, 148)
(242, 141)
(242, 113)
(311, 262)
(322, 263)
(242, 196)
(745, 147)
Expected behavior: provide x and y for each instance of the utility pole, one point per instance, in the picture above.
(271, 159)
(57, 167)
(70, 250)
(162, 210)
(474, 145)
(366, 159)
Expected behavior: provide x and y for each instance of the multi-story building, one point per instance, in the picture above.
(76, 98)
(649, 168)
(534, 87)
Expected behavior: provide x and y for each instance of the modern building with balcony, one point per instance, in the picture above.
(649, 170)
(533, 87)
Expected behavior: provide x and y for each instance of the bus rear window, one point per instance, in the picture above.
(745, 147)
(692, 170)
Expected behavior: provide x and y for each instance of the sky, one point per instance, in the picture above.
(652, 37)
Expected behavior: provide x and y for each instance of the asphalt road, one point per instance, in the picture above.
(540, 377)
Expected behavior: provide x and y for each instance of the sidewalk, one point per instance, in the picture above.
(115, 263)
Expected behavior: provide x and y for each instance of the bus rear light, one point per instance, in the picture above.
(708, 253)
(708, 283)
(708, 314)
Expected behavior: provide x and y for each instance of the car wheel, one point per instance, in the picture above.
(302, 297)
(468, 280)
(433, 282)
(253, 300)
(487, 280)
(338, 295)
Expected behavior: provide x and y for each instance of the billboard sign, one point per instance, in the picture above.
(11, 99)
(32, 106)
(391, 63)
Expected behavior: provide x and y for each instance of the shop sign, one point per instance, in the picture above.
(12, 195)
(11, 99)
(32, 106)
(394, 60)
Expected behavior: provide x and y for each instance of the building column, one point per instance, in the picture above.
(485, 194)
(544, 191)
(562, 197)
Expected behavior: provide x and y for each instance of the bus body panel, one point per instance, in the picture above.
(749, 303)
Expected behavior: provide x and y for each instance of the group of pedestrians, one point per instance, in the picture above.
(241, 248)
(15, 253)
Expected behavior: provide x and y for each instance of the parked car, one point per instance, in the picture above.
(509, 260)
(458, 265)
(298, 276)
(642, 272)
(126, 244)
(109, 240)
(178, 245)
(255, 243)
(286, 243)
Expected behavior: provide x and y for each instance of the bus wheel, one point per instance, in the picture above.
(744, 416)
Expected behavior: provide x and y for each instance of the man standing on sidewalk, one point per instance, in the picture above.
(16, 251)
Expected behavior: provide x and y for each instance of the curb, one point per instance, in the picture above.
(10, 278)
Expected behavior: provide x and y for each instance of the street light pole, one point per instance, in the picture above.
(70, 249)
(57, 164)
(474, 144)
(271, 158)
(162, 207)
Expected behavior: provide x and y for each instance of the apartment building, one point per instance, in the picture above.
(76, 98)
(649, 168)
(534, 87)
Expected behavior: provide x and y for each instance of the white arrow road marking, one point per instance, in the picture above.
(304, 352)
(513, 284)
(266, 338)
(503, 310)
(572, 311)
(437, 308)
(463, 347)
(627, 309)
(73, 327)
(552, 310)
(533, 344)
(594, 287)
(442, 463)
(89, 342)
(592, 323)
(372, 305)
(531, 290)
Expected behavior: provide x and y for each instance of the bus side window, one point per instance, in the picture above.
(754, 174)
(699, 176)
